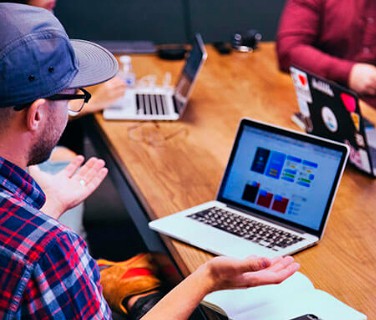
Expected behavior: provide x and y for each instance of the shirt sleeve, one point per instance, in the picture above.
(297, 38)
(65, 283)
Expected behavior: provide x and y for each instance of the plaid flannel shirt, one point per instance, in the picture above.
(45, 268)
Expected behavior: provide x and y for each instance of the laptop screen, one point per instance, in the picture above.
(196, 58)
(283, 175)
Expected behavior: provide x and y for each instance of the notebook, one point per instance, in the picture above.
(161, 103)
(274, 199)
(294, 297)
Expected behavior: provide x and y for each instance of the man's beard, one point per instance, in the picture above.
(48, 139)
(41, 152)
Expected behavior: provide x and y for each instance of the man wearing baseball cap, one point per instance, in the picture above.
(45, 269)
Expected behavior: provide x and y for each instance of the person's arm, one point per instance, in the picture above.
(297, 36)
(362, 79)
(218, 274)
(70, 186)
(103, 95)
(300, 35)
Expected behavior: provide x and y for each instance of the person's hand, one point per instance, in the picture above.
(104, 95)
(220, 273)
(362, 79)
(229, 273)
(70, 186)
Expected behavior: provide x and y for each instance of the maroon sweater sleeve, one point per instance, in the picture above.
(298, 40)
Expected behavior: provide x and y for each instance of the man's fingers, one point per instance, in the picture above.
(280, 263)
(94, 168)
(267, 276)
(286, 272)
(275, 264)
(89, 169)
(95, 181)
(253, 263)
(72, 167)
(91, 174)
(91, 185)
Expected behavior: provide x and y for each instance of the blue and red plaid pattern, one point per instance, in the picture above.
(45, 269)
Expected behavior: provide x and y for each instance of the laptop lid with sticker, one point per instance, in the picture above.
(332, 111)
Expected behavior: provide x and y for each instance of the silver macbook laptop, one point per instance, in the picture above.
(161, 103)
(274, 199)
(332, 111)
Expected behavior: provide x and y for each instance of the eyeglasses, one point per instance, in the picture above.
(73, 108)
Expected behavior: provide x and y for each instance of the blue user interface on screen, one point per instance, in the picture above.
(282, 176)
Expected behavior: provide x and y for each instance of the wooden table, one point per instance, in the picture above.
(170, 166)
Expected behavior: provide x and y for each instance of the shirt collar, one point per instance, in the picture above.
(20, 184)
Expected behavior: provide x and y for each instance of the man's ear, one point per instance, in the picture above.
(35, 114)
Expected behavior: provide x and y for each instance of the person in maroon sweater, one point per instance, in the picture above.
(335, 39)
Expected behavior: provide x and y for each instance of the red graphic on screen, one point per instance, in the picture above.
(280, 204)
(264, 198)
(348, 101)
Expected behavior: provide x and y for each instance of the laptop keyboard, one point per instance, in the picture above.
(151, 104)
(247, 228)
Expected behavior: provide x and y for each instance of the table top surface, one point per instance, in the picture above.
(175, 165)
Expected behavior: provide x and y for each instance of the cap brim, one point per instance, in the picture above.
(95, 64)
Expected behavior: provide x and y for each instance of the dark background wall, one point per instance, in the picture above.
(157, 20)
(168, 21)
(217, 20)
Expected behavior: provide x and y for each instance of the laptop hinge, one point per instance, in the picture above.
(254, 214)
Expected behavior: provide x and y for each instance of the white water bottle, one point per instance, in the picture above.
(126, 72)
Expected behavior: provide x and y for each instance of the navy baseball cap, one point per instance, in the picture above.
(38, 60)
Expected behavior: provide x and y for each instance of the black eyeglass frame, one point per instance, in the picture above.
(86, 96)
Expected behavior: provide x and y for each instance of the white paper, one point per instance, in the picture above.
(294, 297)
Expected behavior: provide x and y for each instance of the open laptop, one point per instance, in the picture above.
(331, 111)
(161, 103)
(275, 197)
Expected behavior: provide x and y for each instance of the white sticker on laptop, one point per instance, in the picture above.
(359, 140)
(364, 159)
(304, 108)
(359, 158)
(301, 84)
(329, 119)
